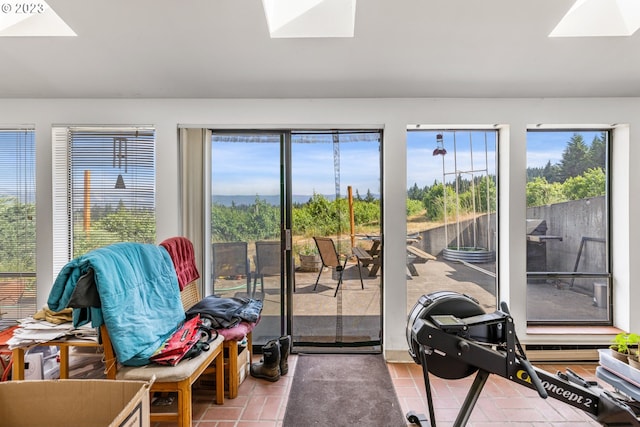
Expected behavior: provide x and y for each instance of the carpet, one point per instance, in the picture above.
(342, 390)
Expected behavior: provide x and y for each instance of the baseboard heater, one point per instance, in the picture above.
(563, 353)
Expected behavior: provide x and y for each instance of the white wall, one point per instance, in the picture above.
(511, 115)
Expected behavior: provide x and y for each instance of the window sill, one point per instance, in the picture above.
(568, 343)
(572, 330)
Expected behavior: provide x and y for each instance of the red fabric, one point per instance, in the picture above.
(238, 332)
(181, 252)
(178, 344)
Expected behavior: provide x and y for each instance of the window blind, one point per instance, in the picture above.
(109, 175)
(17, 223)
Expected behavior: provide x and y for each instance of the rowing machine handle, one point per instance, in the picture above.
(535, 379)
(504, 307)
(527, 366)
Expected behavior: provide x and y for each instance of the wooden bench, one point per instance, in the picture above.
(365, 258)
(362, 255)
(232, 370)
(177, 379)
(416, 256)
(190, 295)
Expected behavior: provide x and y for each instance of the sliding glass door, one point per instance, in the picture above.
(274, 194)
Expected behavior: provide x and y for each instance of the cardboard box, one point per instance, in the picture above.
(74, 403)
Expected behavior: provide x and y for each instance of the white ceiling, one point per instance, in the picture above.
(401, 48)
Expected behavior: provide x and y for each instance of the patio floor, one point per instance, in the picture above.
(355, 313)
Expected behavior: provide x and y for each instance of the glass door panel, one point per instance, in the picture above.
(336, 300)
(246, 217)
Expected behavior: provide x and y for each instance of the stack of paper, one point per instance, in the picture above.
(33, 331)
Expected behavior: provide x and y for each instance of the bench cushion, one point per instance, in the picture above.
(181, 371)
(238, 332)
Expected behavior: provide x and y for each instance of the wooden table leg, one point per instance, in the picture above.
(232, 346)
(220, 377)
(17, 372)
(64, 362)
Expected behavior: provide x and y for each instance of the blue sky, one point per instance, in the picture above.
(423, 168)
(254, 168)
(549, 146)
(472, 155)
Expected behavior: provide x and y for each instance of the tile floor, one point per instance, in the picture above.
(502, 403)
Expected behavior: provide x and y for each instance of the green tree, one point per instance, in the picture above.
(415, 192)
(369, 197)
(434, 202)
(18, 235)
(366, 213)
(414, 207)
(533, 173)
(312, 217)
(551, 172)
(598, 151)
(129, 225)
(540, 192)
(592, 183)
(264, 220)
(481, 188)
(575, 158)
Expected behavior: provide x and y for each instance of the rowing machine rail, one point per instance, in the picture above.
(451, 345)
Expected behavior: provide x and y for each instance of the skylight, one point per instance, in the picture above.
(310, 18)
(599, 18)
(35, 19)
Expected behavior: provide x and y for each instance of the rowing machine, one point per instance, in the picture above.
(451, 337)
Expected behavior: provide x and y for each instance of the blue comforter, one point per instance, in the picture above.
(139, 296)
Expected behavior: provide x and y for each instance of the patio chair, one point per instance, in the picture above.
(230, 260)
(268, 260)
(330, 258)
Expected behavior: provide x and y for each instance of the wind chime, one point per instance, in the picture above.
(120, 146)
(458, 251)
(441, 151)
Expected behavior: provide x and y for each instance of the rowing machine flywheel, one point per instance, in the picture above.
(442, 303)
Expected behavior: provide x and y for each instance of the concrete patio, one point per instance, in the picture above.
(354, 314)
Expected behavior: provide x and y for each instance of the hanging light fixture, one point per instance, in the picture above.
(439, 150)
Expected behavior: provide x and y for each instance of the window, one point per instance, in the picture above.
(451, 213)
(17, 225)
(568, 267)
(104, 189)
